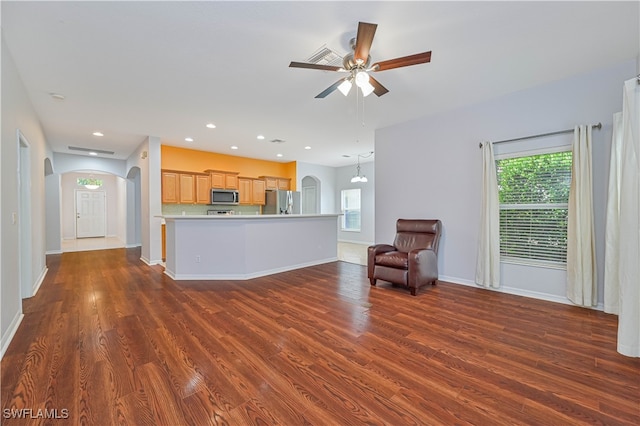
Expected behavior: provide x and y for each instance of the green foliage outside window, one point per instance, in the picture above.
(89, 181)
(534, 194)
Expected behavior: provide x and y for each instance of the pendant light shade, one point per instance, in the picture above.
(345, 86)
(362, 78)
(366, 88)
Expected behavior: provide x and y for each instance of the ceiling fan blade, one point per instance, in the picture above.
(364, 38)
(315, 66)
(405, 61)
(330, 89)
(378, 88)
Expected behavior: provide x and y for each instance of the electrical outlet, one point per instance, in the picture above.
(198, 259)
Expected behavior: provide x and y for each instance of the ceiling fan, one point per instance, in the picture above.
(358, 65)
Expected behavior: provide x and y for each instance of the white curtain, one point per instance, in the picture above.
(626, 256)
(612, 232)
(582, 280)
(488, 261)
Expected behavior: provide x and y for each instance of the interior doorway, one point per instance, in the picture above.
(310, 195)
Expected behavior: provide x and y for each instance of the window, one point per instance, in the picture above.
(534, 196)
(350, 206)
(89, 183)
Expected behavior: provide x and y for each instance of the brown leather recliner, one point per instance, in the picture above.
(412, 260)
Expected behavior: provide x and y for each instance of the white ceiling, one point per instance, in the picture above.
(166, 69)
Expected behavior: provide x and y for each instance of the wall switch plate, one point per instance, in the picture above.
(14, 218)
(197, 259)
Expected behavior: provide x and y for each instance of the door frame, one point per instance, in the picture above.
(25, 249)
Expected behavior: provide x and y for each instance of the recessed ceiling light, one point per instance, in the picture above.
(98, 134)
(57, 96)
(260, 137)
(211, 126)
(278, 155)
(188, 139)
(234, 147)
(307, 147)
(93, 153)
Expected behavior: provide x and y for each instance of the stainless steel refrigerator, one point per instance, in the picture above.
(282, 202)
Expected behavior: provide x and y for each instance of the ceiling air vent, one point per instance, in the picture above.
(325, 56)
(99, 151)
(277, 141)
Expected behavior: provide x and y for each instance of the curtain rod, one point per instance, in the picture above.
(559, 132)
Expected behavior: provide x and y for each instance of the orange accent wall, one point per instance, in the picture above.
(191, 160)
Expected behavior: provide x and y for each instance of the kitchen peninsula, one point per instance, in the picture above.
(240, 247)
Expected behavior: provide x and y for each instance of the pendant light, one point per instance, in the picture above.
(358, 178)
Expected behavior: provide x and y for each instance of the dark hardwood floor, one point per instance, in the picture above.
(108, 340)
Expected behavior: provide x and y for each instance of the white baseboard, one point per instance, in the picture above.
(38, 283)
(11, 331)
(151, 262)
(53, 252)
(519, 292)
(241, 277)
(364, 243)
(132, 245)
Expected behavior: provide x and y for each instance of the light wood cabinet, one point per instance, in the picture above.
(203, 189)
(170, 187)
(258, 191)
(270, 182)
(284, 183)
(223, 180)
(251, 191)
(187, 188)
(275, 182)
(245, 190)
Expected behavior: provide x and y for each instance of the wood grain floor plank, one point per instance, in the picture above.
(115, 341)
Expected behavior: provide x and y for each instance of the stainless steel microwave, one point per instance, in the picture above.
(223, 196)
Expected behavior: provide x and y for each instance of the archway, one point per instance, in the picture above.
(104, 198)
(311, 195)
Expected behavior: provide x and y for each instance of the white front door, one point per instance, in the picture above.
(90, 215)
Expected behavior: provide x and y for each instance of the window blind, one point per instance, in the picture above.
(534, 194)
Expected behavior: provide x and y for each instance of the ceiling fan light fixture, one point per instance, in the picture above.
(367, 88)
(345, 87)
(362, 78)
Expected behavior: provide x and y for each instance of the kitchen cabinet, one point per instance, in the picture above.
(274, 182)
(170, 187)
(187, 190)
(223, 180)
(258, 192)
(284, 184)
(203, 188)
(245, 190)
(251, 191)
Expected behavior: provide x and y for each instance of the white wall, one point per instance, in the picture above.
(64, 163)
(18, 114)
(327, 177)
(147, 158)
(431, 167)
(52, 214)
(121, 208)
(367, 201)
